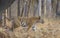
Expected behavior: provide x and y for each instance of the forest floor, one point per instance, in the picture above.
(49, 29)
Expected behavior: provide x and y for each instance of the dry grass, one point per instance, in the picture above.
(49, 29)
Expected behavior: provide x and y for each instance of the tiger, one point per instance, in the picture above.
(24, 22)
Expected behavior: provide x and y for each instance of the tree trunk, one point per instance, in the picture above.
(54, 6)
